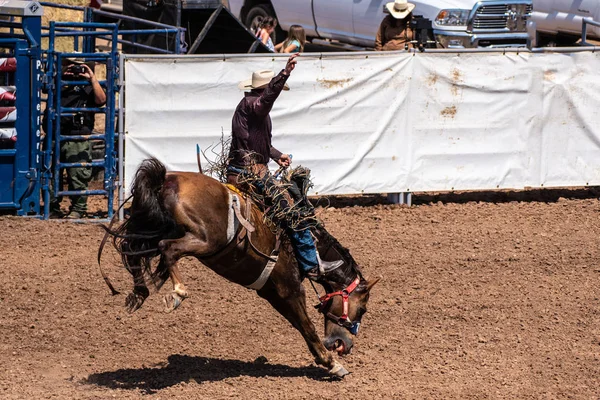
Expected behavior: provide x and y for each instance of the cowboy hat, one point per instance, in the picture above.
(259, 80)
(400, 8)
(65, 62)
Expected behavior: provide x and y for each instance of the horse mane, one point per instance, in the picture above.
(327, 240)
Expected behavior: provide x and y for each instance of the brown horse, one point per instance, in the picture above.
(179, 214)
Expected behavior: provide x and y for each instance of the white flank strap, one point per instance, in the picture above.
(262, 279)
(232, 222)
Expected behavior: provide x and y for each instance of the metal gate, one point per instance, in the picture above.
(30, 163)
(53, 166)
(20, 137)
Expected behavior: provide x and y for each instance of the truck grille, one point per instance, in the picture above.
(501, 17)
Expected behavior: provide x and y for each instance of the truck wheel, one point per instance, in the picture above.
(258, 12)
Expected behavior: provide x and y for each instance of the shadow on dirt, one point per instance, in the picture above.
(181, 368)
(490, 196)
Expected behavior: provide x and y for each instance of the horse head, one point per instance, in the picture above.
(346, 298)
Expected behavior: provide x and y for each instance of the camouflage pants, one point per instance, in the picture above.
(77, 178)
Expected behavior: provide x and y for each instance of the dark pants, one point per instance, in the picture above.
(77, 178)
(300, 236)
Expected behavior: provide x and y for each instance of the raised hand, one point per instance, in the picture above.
(291, 63)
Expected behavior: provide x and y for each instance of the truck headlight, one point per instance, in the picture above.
(452, 17)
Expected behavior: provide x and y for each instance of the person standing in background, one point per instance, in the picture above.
(80, 123)
(394, 32)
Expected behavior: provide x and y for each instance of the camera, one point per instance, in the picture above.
(422, 32)
(77, 69)
(418, 22)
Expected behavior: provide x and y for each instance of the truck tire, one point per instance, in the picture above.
(258, 12)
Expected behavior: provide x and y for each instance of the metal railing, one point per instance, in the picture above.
(92, 15)
(19, 177)
(53, 165)
(584, 25)
(84, 36)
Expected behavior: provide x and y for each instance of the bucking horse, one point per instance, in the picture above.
(178, 214)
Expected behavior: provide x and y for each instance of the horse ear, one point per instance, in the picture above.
(372, 283)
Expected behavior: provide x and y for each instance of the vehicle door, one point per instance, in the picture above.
(295, 13)
(334, 19)
(367, 16)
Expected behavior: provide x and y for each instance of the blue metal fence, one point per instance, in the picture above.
(88, 32)
(53, 166)
(31, 165)
(92, 15)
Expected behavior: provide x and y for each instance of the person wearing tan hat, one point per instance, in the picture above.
(251, 150)
(251, 123)
(394, 32)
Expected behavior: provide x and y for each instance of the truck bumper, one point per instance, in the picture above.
(464, 40)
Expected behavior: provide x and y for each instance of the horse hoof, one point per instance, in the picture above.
(338, 371)
(172, 301)
(134, 301)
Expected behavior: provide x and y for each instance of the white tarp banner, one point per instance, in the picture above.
(385, 122)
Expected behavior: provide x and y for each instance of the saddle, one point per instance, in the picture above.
(289, 184)
(244, 234)
(293, 185)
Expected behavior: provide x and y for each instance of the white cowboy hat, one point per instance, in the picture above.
(260, 80)
(400, 8)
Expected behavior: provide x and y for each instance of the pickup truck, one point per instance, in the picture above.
(115, 6)
(456, 23)
(559, 22)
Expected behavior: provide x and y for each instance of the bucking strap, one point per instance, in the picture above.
(264, 276)
(238, 214)
(271, 260)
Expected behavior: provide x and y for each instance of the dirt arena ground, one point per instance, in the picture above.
(479, 299)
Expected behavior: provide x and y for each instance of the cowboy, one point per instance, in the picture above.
(394, 32)
(251, 150)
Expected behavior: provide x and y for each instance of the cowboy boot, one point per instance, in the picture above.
(323, 268)
(328, 266)
(308, 258)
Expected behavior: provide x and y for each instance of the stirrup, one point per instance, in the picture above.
(327, 266)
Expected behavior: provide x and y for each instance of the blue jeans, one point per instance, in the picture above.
(304, 248)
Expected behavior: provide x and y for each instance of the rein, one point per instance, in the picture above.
(109, 231)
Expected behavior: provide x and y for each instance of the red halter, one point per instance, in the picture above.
(345, 293)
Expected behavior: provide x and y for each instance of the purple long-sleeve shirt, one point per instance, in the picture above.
(251, 126)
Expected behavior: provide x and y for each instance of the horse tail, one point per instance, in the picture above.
(149, 222)
(146, 207)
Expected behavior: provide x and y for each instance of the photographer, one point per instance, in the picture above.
(80, 123)
(394, 32)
